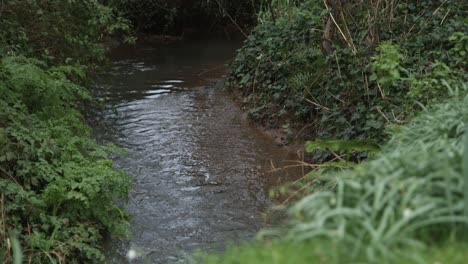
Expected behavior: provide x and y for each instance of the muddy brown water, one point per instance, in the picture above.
(199, 169)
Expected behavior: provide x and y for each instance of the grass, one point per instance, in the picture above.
(320, 252)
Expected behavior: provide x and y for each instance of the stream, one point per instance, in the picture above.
(200, 170)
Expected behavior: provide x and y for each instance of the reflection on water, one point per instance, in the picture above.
(198, 166)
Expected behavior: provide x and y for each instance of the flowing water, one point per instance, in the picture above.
(199, 168)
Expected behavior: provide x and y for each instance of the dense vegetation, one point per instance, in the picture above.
(58, 187)
(348, 70)
(350, 74)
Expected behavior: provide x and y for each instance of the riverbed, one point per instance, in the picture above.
(200, 170)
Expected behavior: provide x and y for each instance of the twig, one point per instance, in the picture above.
(445, 16)
(210, 70)
(318, 166)
(380, 90)
(11, 177)
(396, 119)
(350, 44)
(367, 88)
(309, 125)
(318, 105)
(232, 19)
(380, 111)
(338, 64)
(297, 192)
(338, 99)
(432, 16)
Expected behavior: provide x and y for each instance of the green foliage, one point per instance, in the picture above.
(341, 150)
(274, 252)
(58, 185)
(337, 145)
(323, 252)
(385, 63)
(412, 193)
(460, 49)
(465, 172)
(431, 86)
(66, 32)
(269, 56)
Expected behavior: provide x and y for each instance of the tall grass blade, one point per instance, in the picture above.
(465, 174)
(17, 254)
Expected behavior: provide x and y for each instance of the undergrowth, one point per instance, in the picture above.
(348, 71)
(58, 187)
